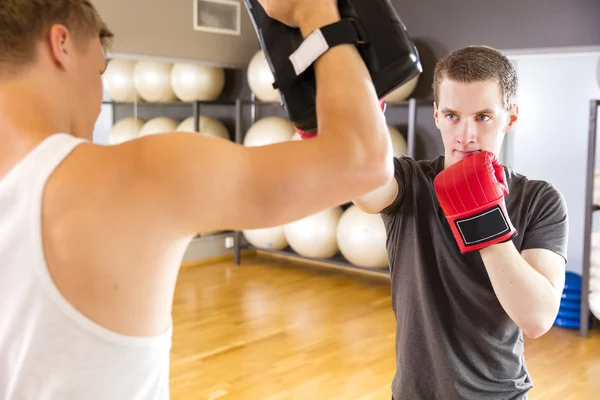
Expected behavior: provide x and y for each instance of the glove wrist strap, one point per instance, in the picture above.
(345, 31)
(485, 226)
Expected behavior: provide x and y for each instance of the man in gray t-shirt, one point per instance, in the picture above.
(461, 316)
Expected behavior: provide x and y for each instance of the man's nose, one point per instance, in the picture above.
(466, 132)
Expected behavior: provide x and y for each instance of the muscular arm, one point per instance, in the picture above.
(194, 183)
(377, 200)
(528, 285)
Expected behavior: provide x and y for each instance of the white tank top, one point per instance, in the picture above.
(49, 350)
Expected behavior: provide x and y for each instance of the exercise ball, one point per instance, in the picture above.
(399, 145)
(191, 82)
(159, 125)
(266, 238)
(152, 80)
(315, 236)
(269, 130)
(125, 129)
(208, 126)
(296, 136)
(118, 81)
(403, 92)
(361, 238)
(594, 303)
(260, 79)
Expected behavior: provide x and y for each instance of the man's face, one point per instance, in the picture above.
(471, 117)
(86, 84)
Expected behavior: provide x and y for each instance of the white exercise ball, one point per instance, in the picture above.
(595, 271)
(399, 144)
(125, 129)
(272, 238)
(594, 303)
(191, 82)
(208, 126)
(159, 125)
(118, 81)
(315, 236)
(362, 238)
(260, 79)
(269, 130)
(594, 284)
(152, 81)
(403, 92)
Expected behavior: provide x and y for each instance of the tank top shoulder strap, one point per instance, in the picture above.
(52, 151)
(41, 162)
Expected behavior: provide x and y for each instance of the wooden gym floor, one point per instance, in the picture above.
(271, 329)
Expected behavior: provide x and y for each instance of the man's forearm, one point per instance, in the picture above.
(526, 295)
(346, 100)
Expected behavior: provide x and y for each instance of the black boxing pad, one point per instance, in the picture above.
(373, 26)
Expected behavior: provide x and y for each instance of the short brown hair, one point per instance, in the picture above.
(476, 64)
(24, 22)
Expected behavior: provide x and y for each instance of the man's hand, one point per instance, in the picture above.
(471, 194)
(294, 12)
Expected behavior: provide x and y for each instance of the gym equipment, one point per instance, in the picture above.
(193, 82)
(471, 194)
(260, 79)
(403, 92)
(269, 130)
(158, 125)
(399, 144)
(125, 129)
(152, 80)
(594, 302)
(272, 238)
(362, 238)
(569, 312)
(118, 81)
(207, 126)
(315, 236)
(372, 25)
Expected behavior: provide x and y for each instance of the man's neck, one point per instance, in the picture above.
(27, 117)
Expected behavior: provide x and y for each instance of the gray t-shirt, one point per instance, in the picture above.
(453, 338)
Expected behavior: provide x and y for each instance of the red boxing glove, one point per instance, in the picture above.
(309, 135)
(471, 194)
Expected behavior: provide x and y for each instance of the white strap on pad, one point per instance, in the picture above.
(312, 47)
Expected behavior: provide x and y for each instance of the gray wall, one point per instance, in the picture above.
(508, 24)
(164, 29)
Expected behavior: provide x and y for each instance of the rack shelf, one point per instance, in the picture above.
(590, 208)
(195, 105)
(338, 261)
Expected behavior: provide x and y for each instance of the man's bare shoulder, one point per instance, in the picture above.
(102, 246)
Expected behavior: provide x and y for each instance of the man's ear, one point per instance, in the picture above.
(61, 45)
(512, 118)
(435, 115)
